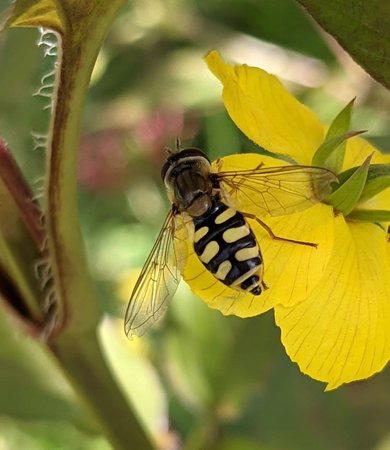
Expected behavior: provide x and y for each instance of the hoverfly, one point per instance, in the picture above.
(211, 207)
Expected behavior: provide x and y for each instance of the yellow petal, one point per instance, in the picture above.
(379, 201)
(291, 270)
(358, 149)
(266, 112)
(245, 161)
(341, 331)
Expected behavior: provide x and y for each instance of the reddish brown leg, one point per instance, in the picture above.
(258, 166)
(273, 235)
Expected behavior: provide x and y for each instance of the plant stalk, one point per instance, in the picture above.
(76, 346)
(82, 362)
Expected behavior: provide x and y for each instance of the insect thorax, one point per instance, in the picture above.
(227, 247)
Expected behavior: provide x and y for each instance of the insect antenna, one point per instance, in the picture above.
(177, 148)
(177, 144)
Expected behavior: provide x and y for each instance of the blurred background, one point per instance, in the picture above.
(201, 379)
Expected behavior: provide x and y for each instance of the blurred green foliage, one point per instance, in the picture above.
(220, 383)
(363, 31)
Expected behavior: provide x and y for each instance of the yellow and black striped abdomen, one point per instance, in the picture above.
(227, 247)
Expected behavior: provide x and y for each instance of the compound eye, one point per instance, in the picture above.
(182, 154)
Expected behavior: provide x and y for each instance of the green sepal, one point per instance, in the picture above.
(370, 215)
(378, 179)
(339, 126)
(322, 156)
(348, 194)
(342, 121)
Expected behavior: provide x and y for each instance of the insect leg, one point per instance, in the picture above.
(219, 164)
(258, 166)
(273, 235)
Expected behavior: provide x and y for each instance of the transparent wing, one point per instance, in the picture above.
(158, 280)
(276, 190)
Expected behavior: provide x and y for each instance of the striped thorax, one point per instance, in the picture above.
(223, 239)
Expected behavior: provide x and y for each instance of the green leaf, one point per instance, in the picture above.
(362, 28)
(33, 13)
(348, 194)
(31, 385)
(370, 215)
(340, 125)
(322, 155)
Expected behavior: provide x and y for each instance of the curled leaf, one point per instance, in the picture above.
(21, 242)
(15, 183)
(33, 13)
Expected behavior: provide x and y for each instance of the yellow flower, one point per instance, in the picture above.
(332, 303)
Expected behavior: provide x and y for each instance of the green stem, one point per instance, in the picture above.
(82, 361)
(74, 288)
(76, 347)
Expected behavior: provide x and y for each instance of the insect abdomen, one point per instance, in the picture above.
(227, 247)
